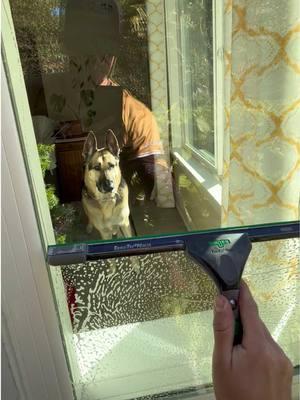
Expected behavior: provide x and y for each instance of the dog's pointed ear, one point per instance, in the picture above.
(90, 146)
(112, 143)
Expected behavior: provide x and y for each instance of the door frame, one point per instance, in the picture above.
(31, 335)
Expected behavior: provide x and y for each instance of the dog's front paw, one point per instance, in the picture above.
(89, 228)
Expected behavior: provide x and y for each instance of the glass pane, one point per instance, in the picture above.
(194, 111)
(136, 289)
(272, 272)
(184, 139)
(196, 47)
(150, 310)
(143, 325)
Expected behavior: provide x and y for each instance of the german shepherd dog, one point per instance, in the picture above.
(105, 192)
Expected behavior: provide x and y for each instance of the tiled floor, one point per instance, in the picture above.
(151, 220)
(147, 219)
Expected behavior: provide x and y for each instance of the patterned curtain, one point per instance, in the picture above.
(262, 108)
(261, 149)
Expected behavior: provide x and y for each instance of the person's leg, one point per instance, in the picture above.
(140, 176)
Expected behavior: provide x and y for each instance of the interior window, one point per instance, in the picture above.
(196, 49)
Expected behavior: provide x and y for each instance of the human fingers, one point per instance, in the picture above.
(223, 333)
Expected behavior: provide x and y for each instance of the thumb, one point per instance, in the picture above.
(223, 333)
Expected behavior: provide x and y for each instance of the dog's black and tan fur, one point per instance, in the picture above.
(105, 192)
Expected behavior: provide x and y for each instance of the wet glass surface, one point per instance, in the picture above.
(126, 290)
(151, 317)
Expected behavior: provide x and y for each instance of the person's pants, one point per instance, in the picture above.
(140, 176)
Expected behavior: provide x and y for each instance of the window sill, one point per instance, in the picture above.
(203, 175)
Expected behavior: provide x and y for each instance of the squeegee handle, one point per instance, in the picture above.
(238, 330)
(233, 297)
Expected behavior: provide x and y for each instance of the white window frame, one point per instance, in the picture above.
(30, 309)
(214, 163)
(31, 336)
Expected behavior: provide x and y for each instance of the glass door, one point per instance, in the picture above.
(142, 326)
(155, 120)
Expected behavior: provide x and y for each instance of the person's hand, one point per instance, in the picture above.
(257, 369)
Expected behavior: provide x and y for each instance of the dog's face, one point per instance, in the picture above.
(102, 175)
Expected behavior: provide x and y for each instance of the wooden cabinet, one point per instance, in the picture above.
(69, 168)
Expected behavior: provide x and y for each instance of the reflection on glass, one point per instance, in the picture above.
(151, 74)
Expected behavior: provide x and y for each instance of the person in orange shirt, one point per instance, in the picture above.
(92, 41)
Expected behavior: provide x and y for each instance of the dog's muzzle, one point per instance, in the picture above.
(105, 186)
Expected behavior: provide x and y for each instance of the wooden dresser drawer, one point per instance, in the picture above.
(69, 169)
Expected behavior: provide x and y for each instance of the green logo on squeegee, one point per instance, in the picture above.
(220, 244)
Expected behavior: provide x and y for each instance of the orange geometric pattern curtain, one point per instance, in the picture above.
(262, 111)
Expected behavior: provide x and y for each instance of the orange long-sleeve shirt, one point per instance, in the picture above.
(141, 132)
